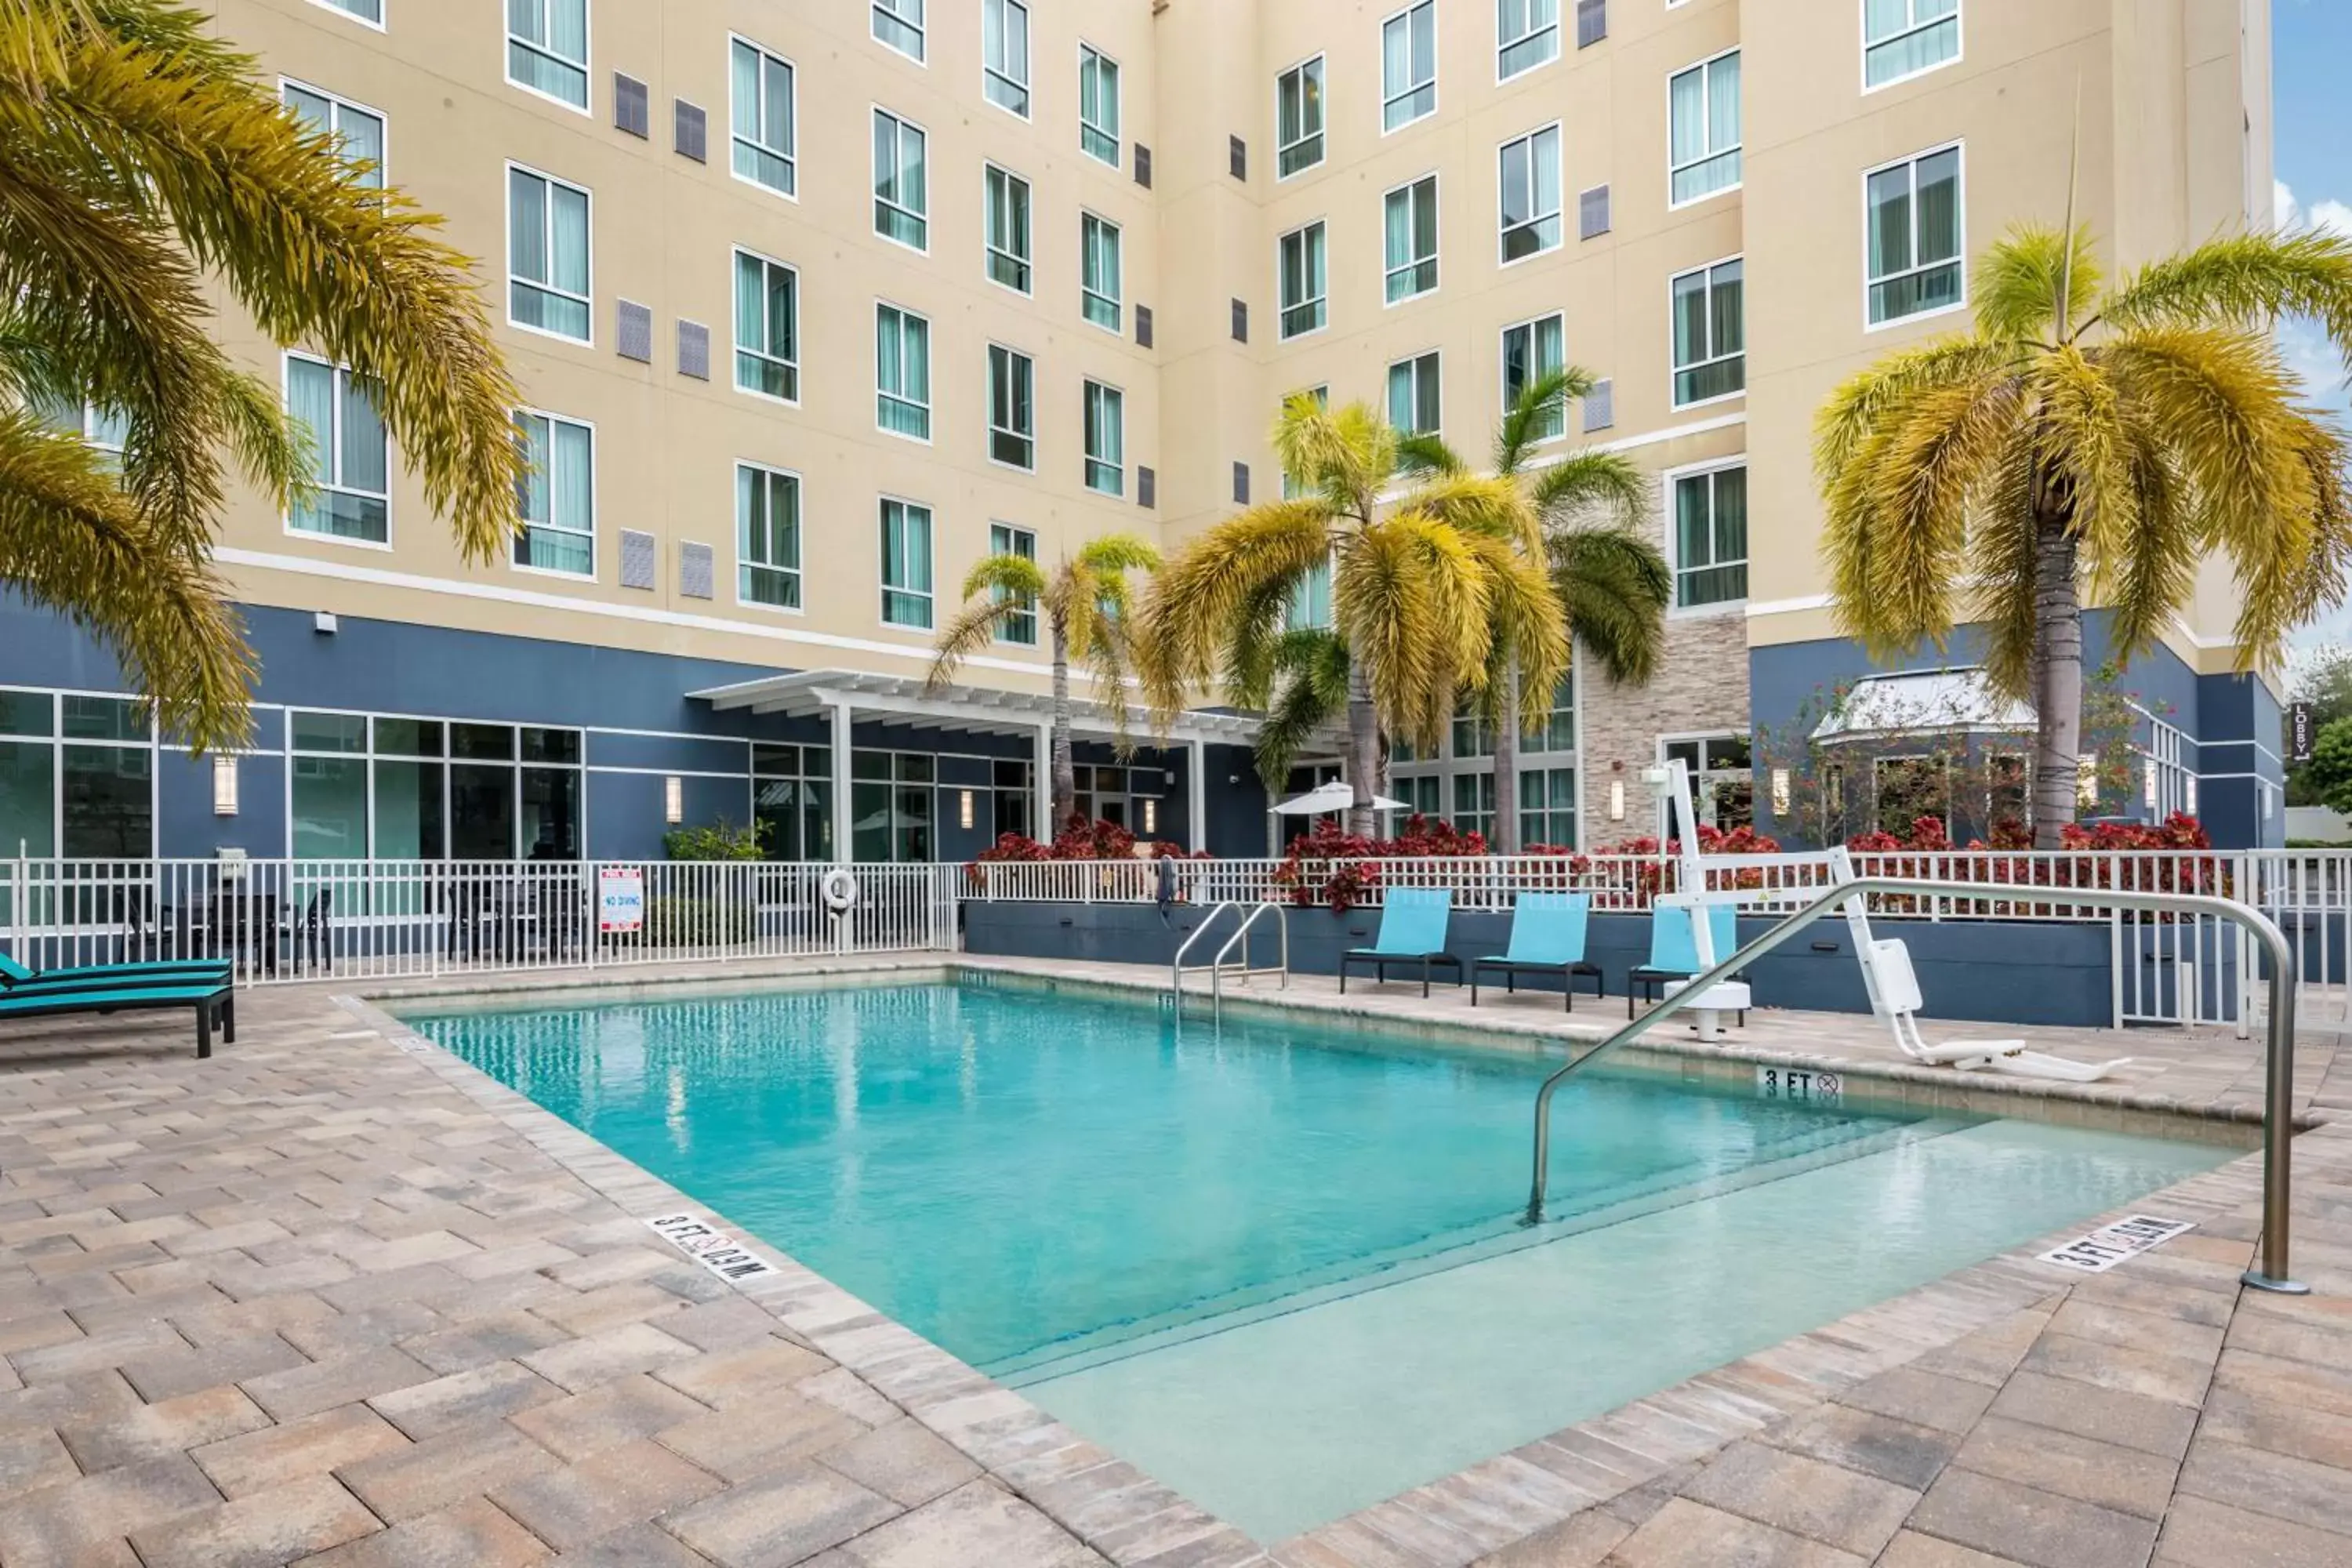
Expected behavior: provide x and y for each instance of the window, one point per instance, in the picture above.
(91, 797)
(1412, 229)
(1021, 625)
(1005, 54)
(1098, 276)
(1106, 439)
(1902, 37)
(906, 564)
(1710, 541)
(1413, 394)
(1298, 118)
(1008, 228)
(1558, 733)
(1098, 105)
(1311, 597)
(1526, 34)
(1474, 802)
(890, 800)
(359, 131)
(901, 194)
(1472, 735)
(547, 48)
(1532, 351)
(547, 255)
(1710, 334)
(767, 327)
(370, 10)
(350, 461)
(791, 797)
(767, 537)
(1703, 152)
(902, 372)
(1913, 218)
(1302, 279)
(1548, 807)
(556, 498)
(899, 25)
(1409, 65)
(1012, 408)
(763, 117)
(1530, 187)
(1722, 777)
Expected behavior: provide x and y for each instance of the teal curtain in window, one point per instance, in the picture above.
(310, 399)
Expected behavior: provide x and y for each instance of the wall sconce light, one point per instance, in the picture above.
(2147, 784)
(672, 800)
(2188, 794)
(223, 786)
(2086, 779)
(1151, 816)
(1616, 800)
(963, 809)
(1780, 792)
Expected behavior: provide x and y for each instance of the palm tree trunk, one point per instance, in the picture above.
(2057, 673)
(1504, 839)
(1363, 748)
(1065, 768)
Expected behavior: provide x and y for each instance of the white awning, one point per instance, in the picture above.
(1938, 702)
(902, 700)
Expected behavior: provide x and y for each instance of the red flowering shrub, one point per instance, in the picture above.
(1331, 866)
(1080, 839)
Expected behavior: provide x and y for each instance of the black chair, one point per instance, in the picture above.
(312, 934)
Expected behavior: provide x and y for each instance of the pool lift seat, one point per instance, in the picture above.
(1895, 996)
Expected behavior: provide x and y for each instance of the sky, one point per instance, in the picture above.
(2312, 116)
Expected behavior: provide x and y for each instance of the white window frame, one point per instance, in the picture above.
(1389, 100)
(1087, 396)
(994, 429)
(1115, 299)
(585, 65)
(874, 179)
(792, 159)
(1675, 610)
(1388, 273)
(1118, 106)
(1960, 43)
(334, 445)
(341, 102)
(798, 570)
(1415, 358)
(1960, 258)
(877, 10)
(1502, 45)
(1283, 305)
(1503, 366)
(1672, 368)
(523, 410)
(990, 251)
(989, 77)
(379, 24)
(1707, 102)
(1560, 190)
(735, 373)
(1320, 135)
(589, 299)
(931, 595)
(905, 314)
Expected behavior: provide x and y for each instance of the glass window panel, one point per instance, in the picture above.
(408, 811)
(108, 803)
(768, 536)
(105, 719)
(1711, 537)
(1012, 414)
(539, 745)
(28, 799)
(1413, 394)
(1298, 118)
(1302, 267)
(1409, 223)
(1409, 65)
(1913, 217)
(28, 713)
(1106, 435)
(551, 814)
(408, 737)
(328, 732)
(547, 47)
(1098, 105)
(482, 810)
(1703, 132)
(901, 196)
(767, 326)
(1005, 54)
(1902, 37)
(1098, 271)
(905, 565)
(899, 23)
(1527, 34)
(482, 743)
(547, 254)
(1008, 228)
(1531, 194)
(331, 808)
(903, 372)
(761, 117)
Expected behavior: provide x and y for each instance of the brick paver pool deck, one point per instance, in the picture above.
(334, 1298)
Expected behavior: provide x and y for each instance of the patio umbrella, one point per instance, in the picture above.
(1337, 795)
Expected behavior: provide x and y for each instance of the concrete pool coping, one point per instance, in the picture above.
(1482, 1508)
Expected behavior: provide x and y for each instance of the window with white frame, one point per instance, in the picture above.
(1703, 140)
(349, 458)
(1530, 194)
(1473, 736)
(1710, 334)
(1710, 536)
(1098, 271)
(1548, 807)
(357, 131)
(902, 372)
(1723, 777)
(1302, 267)
(547, 48)
(1298, 118)
(1021, 625)
(1007, 219)
(1904, 37)
(547, 254)
(899, 25)
(1409, 226)
(1097, 105)
(1409, 65)
(1912, 220)
(1012, 407)
(365, 10)
(1106, 422)
(76, 778)
(1474, 803)
(905, 565)
(1532, 351)
(1558, 733)
(901, 187)
(762, 117)
(767, 536)
(1527, 34)
(557, 496)
(767, 327)
(1413, 394)
(1005, 54)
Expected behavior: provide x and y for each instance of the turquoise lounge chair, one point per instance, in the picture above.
(1547, 937)
(1673, 951)
(1412, 931)
(214, 1003)
(14, 976)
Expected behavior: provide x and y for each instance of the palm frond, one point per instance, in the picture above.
(1313, 663)
(968, 631)
(1386, 608)
(1492, 506)
(1006, 574)
(1420, 454)
(1198, 594)
(1868, 402)
(1345, 456)
(2245, 281)
(2150, 574)
(2005, 558)
(1615, 588)
(1526, 626)
(1591, 484)
(1541, 405)
(2021, 275)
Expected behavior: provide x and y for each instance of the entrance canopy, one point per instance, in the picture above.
(1943, 701)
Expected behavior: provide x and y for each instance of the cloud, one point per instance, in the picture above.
(2326, 213)
(2317, 364)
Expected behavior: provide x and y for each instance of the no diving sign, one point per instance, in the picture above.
(714, 1249)
(2111, 1243)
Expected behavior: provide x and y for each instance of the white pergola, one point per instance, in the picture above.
(841, 696)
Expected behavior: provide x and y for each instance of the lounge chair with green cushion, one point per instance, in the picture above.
(215, 1001)
(1412, 931)
(1674, 949)
(1547, 937)
(180, 971)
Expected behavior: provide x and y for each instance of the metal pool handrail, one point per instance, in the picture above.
(1241, 935)
(2278, 1103)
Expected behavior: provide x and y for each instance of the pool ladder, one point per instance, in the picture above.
(1217, 968)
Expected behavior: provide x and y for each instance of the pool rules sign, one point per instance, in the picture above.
(621, 899)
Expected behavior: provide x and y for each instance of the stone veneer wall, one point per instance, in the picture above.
(1701, 685)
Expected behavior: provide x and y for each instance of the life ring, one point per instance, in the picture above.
(840, 889)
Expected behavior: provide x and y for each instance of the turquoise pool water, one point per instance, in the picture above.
(1280, 1267)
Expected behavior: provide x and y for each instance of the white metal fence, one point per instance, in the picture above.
(368, 919)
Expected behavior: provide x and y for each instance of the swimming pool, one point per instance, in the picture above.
(1279, 1266)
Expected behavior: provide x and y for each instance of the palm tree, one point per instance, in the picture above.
(1612, 581)
(2089, 438)
(1306, 690)
(141, 160)
(1420, 590)
(1089, 617)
